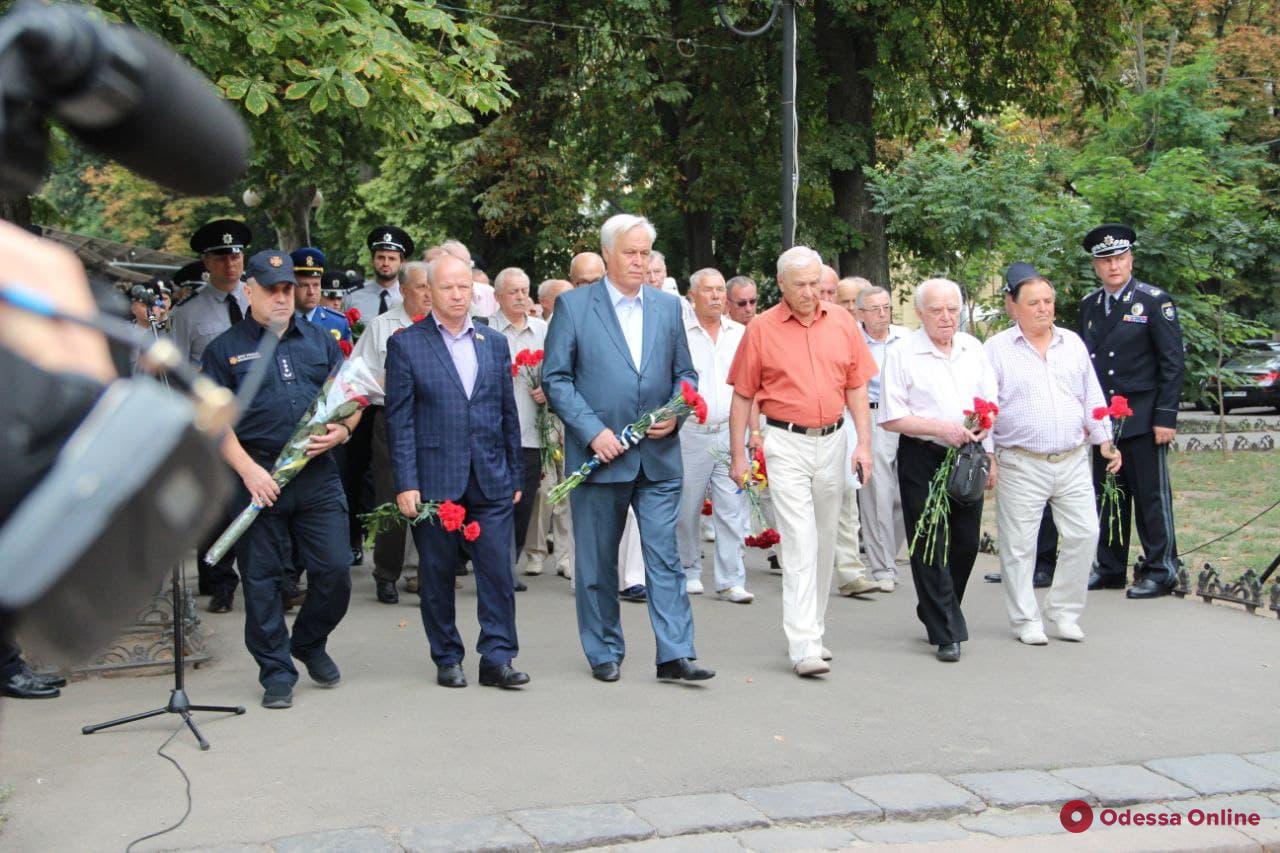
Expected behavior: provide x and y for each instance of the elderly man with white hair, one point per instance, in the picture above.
(713, 342)
(929, 380)
(805, 363)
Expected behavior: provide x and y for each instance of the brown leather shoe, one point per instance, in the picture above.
(411, 585)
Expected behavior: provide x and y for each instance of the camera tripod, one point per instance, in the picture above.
(178, 701)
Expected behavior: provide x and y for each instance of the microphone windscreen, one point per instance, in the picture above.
(182, 134)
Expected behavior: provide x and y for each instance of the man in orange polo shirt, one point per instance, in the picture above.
(804, 361)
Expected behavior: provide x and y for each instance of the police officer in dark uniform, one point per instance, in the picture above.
(312, 507)
(1131, 331)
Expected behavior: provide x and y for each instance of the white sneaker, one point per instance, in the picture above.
(811, 666)
(1033, 636)
(736, 594)
(1069, 631)
(887, 584)
(826, 653)
(694, 587)
(708, 533)
(859, 585)
(532, 564)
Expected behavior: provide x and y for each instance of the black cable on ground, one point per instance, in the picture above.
(185, 778)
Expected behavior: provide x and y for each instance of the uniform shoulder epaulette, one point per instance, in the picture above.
(1149, 289)
(184, 300)
(1091, 294)
(329, 312)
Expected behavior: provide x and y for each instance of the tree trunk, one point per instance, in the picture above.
(292, 219)
(848, 52)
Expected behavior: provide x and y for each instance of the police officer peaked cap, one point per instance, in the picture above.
(1111, 239)
(193, 273)
(160, 284)
(392, 238)
(270, 267)
(222, 237)
(333, 283)
(1017, 275)
(308, 261)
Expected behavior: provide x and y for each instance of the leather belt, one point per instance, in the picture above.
(873, 404)
(803, 430)
(1046, 457)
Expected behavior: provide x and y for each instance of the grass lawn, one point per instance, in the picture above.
(1212, 495)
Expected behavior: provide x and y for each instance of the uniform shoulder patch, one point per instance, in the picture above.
(1169, 312)
(1149, 289)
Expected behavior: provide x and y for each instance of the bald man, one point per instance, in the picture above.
(585, 268)
(847, 290)
(547, 293)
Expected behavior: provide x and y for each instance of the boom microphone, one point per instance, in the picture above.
(113, 87)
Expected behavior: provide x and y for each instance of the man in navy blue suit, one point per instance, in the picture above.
(454, 434)
(616, 350)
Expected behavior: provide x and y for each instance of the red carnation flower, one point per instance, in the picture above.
(1100, 412)
(706, 507)
(345, 346)
(1120, 406)
(418, 318)
(689, 394)
(758, 455)
(451, 515)
(751, 542)
(515, 368)
(361, 400)
(471, 532)
(353, 315)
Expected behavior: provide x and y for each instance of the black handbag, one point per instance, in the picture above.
(968, 478)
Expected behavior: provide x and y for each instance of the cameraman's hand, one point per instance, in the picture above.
(54, 345)
(262, 489)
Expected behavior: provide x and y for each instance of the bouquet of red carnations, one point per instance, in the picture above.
(529, 363)
(687, 402)
(935, 517)
(341, 397)
(450, 515)
(1109, 502)
(753, 483)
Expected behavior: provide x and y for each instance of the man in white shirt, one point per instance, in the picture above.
(929, 380)
(511, 287)
(713, 342)
(878, 502)
(1048, 392)
(389, 549)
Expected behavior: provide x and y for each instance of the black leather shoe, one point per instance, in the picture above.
(278, 697)
(1097, 581)
(683, 669)
(322, 669)
(52, 679)
(357, 556)
(634, 593)
(220, 602)
(1040, 580)
(993, 577)
(520, 587)
(387, 592)
(25, 684)
(503, 676)
(607, 671)
(948, 652)
(451, 676)
(1147, 588)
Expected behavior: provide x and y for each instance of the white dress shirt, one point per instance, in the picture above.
(1046, 402)
(532, 337)
(372, 346)
(878, 350)
(712, 360)
(367, 298)
(918, 379)
(630, 312)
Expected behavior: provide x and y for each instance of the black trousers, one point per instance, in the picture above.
(1047, 544)
(10, 659)
(940, 584)
(388, 549)
(495, 598)
(532, 457)
(312, 510)
(1146, 500)
(355, 460)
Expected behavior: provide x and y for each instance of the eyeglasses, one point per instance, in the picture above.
(743, 303)
(879, 309)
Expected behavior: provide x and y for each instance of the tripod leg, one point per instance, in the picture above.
(218, 709)
(191, 724)
(88, 730)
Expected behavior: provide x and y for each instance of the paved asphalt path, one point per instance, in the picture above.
(390, 748)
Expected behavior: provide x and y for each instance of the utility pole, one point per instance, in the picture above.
(787, 104)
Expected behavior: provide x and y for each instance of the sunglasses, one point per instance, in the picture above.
(743, 303)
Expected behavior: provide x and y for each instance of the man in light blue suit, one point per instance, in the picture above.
(615, 350)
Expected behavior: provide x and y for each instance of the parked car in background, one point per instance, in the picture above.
(1255, 382)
